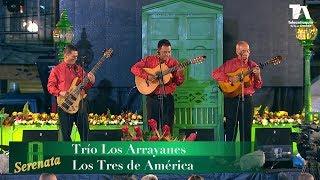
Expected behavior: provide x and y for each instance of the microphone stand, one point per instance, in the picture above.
(242, 110)
(161, 95)
(80, 117)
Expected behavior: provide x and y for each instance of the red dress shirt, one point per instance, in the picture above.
(220, 74)
(62, 75)
(152, 61)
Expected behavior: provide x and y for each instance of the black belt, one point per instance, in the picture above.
(240, 96)
(158, 95)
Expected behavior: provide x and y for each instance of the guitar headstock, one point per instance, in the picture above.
(276, 60)
(198, 59)
(107, 53)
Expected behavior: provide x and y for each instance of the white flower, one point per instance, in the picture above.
(290, 120)
(264, 122)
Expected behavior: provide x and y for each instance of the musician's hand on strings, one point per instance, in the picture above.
(62, 93)
(234, 79)
(256, 70)
(82, 92)
(151, 77)
(91, 77)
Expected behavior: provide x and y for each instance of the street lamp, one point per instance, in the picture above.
(306, 33)
(63, 33)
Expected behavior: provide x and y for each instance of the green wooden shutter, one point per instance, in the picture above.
(194, 28)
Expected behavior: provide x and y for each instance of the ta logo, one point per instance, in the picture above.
(296, 9)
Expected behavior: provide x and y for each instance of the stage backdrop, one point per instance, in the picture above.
(117, 24)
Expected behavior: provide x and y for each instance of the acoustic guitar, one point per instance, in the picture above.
(148, 86)
(70, 102)
(234, 89)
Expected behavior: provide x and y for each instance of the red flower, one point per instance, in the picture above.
(136, 138)
(166, 130)
(125, 129)
(192, 137)
(153, 124)
(138, 131)
(154, 138)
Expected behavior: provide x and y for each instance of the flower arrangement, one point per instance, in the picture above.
(265, 117)
(129, 118)
(26, 117)
(35, 118)
(153, 135)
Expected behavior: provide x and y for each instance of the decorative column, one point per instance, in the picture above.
(306, 33)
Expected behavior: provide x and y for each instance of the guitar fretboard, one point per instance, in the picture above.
(93, 71)
(180, 66)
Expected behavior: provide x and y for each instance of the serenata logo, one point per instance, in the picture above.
(35, 159)
(296, 12)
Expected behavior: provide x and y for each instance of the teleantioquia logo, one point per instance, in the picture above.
(297, 11)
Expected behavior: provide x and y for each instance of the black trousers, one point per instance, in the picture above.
(154, 109)
(80, 119)
(233, 114)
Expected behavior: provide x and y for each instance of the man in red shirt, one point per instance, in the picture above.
(60, 79)
(232, 108)
(154, 104)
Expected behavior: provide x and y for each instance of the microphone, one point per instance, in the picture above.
(159, 75)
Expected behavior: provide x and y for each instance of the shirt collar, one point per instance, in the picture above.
(68, 65)
(240, 61)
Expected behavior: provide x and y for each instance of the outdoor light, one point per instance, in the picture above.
(32, 27)
(306, 33)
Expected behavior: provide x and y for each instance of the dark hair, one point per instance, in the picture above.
(282, 176)
(163, 42)
(195, 177)
(69, 48)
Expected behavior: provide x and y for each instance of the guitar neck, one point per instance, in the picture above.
(177, 67)
(93, 71)
(261, 66)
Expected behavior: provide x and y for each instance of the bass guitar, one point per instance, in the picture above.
(70, 102)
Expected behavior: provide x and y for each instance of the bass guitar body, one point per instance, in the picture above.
(71, 101)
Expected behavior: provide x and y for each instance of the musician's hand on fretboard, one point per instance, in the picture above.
(91, 77)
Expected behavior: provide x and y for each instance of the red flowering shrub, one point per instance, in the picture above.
(153, 135)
